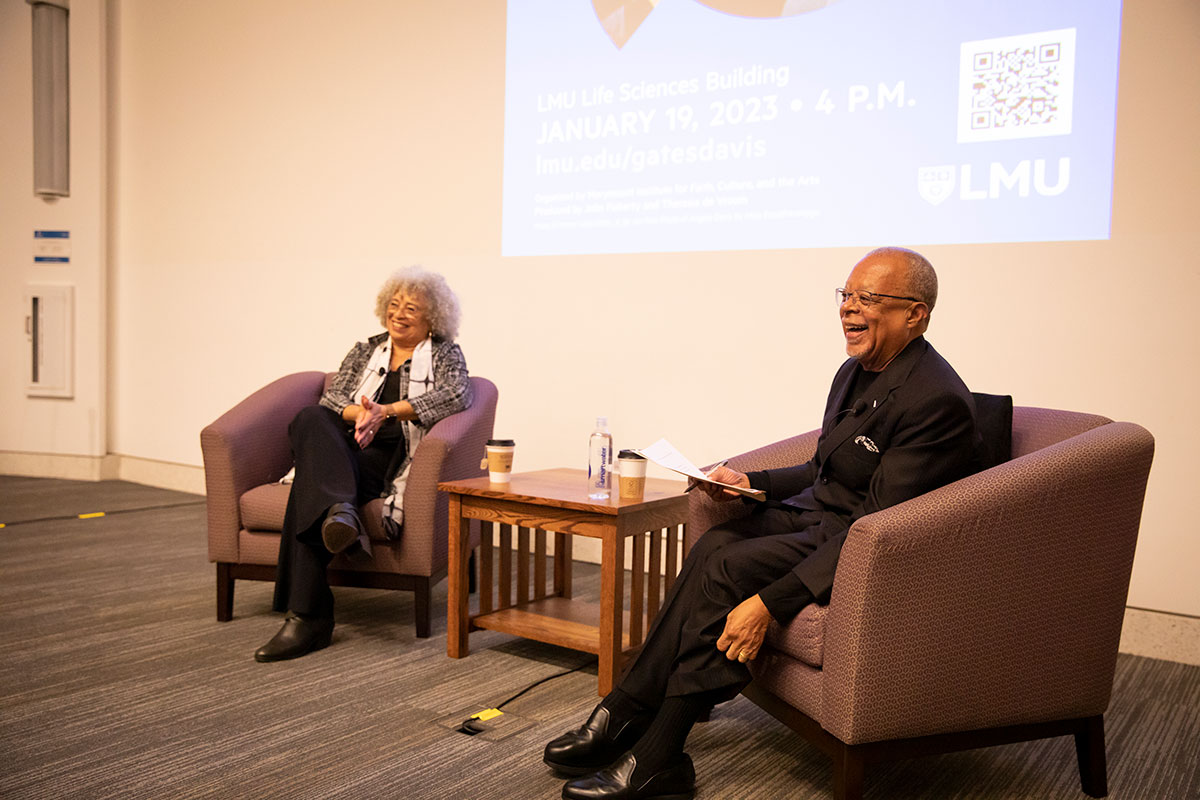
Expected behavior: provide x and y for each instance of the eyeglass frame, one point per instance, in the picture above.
(407, 311)
(867, 298)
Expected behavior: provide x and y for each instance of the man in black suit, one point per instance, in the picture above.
(899, 422)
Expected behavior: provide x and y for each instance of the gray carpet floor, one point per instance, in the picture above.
(116, 681)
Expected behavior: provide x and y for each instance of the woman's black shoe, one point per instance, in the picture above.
(341, 527)
(595, 745)
(298, 636)
(360, 551)
(676, 781)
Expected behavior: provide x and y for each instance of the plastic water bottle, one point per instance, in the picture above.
(600, 459)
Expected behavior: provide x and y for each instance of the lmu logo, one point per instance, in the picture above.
(935, 184)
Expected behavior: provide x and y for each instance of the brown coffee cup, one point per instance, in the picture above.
(631, 475)
(499, 461)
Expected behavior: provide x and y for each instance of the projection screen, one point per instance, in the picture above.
(684, 125)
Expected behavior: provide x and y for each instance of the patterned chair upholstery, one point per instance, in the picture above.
(986, 612)
(246, 452)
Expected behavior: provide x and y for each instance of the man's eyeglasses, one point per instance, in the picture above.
(868, 299)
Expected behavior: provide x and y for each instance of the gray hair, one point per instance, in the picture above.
(442, 310)
(921, 279)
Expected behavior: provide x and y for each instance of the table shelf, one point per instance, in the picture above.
(566, 622)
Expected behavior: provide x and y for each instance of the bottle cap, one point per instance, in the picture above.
(601, 422)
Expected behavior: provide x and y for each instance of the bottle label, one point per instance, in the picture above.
(599, 461)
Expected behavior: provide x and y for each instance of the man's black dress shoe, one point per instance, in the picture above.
(594, 745)
(676, 781)
(298, 636)
(341, 527)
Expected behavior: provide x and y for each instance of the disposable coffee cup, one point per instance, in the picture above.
(499, 460)
(631, 474)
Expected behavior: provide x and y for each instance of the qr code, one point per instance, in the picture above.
(1016, 87)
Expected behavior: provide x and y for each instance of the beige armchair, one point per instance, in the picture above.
(986, 612)
(246, 452)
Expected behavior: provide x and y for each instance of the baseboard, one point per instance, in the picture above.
(1163, 635)
(163, 474)
(146, 471)
(55, 465)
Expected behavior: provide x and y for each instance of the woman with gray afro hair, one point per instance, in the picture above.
(442, 309)
(357, 443)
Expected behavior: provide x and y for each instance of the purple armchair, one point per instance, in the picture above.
(246, 452)
(986, 612)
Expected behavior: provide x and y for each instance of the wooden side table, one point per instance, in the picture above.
(556, 500)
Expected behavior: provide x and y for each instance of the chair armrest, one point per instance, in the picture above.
(996, 600)
(247, 446)
(705, 513)
(451, 450)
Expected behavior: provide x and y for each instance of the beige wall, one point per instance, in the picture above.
(272, 160)
(74, 426)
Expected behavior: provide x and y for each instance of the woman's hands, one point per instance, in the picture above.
(371, 417)
(745, 629)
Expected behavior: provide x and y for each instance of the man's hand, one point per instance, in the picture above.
(724, 475)
(745, 628)
(369, 421)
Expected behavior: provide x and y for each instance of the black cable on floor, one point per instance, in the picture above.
(98, 514)
(470, 725)
(535, 684)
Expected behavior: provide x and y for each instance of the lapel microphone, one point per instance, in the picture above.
(858, 408)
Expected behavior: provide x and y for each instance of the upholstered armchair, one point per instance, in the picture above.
(986, 612)
(246, 452)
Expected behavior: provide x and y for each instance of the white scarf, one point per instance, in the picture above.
(420, 380)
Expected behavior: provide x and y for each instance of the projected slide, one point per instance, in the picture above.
(682, 125)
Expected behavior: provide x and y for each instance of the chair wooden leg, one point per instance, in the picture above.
(1089, 749)
(421, 608)
(471, 586)
(224, 593)
(848, 770)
